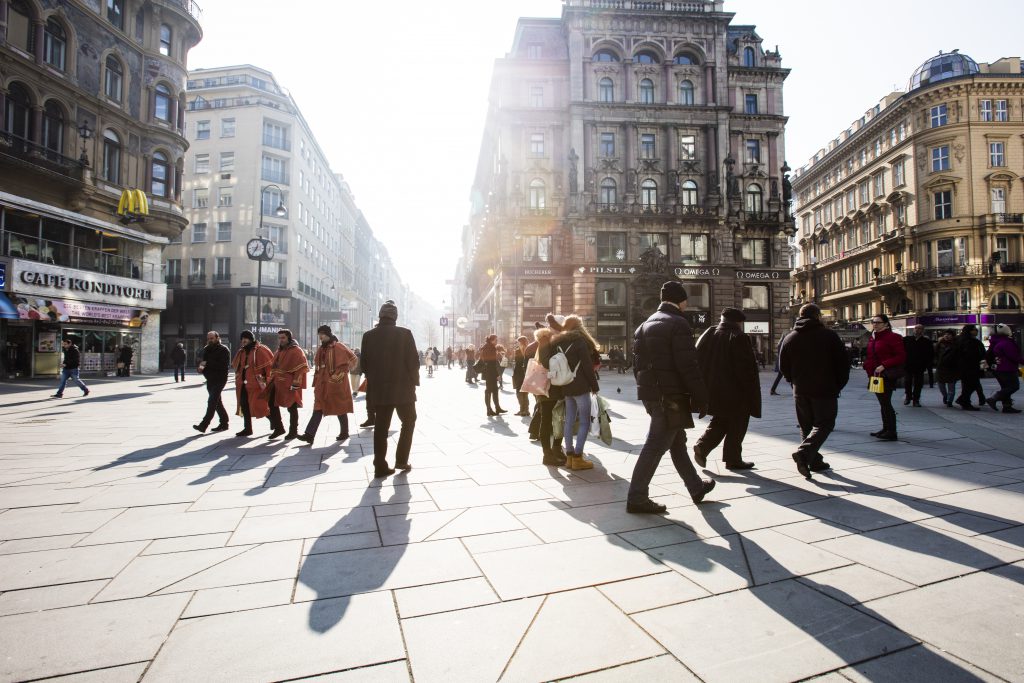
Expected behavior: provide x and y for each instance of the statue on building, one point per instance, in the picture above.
(653, 262)
(732, 183)
(787, 188)
(574, 158)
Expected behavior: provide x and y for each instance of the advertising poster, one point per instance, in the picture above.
(64, 311)
(46, 342)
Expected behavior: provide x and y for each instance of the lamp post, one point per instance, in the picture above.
(84, 133)
(516, 263)
(280, 211)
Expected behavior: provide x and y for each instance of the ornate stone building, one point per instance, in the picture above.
(628, 143)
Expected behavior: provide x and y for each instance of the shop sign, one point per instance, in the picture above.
(698, 318)
(755, 328)
(67, 311)
(698, 271)
(606, 270)
(29, 277)
(3, 276)
(986, 319)
(540, 271)
(762, 275)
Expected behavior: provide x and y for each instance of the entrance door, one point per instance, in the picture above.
(18, 351)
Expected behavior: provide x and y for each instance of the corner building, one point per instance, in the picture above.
(628, 143)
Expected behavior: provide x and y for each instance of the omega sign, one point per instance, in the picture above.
(56, 282)
(757, 275)
(698, 271)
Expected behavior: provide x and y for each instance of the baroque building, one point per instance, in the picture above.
(917, 209)
(92, 104)
(628, 143)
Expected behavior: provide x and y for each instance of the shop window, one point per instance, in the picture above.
(611, 247)
(537, 294)
(611, 294)
(698, 295)
(755, 297)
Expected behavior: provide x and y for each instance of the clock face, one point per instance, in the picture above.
(268, 250)
(255, 248)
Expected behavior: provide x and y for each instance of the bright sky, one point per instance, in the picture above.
(396, 90)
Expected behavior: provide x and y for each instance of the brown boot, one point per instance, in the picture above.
(578, 462)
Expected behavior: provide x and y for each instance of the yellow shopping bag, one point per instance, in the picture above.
(877, 385)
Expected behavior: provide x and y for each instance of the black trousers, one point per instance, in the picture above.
(491, 390)
(914, 384)
(730, 427)
(243, 404)
(970, 385)
(888, 412)
(775, 384)
(524, 401)
(214, 404)
(381, 425)
(817, 419)
(317, 416)
(179, 369)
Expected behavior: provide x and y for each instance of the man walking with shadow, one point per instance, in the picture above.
(214, 368)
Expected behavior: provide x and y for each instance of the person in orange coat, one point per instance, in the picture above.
(332, 393)
(252, 369)
(287, 380)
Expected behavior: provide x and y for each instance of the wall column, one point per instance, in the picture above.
(709, 84)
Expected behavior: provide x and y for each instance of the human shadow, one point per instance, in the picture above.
(151, 453)
(111, 398)
(498, 426)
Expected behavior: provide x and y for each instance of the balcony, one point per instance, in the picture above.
(39, 156)
(604, 208)
(1005, 218)
(1008, 269)
(849, 252)
(222, 279)
(274, 176)
(644, 5)
(173, 280)
(197, 280)
(277, 142)
(280, 283)
(31, 248)
(189, 7)
(941, 273)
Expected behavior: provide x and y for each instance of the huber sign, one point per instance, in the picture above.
(49, 281)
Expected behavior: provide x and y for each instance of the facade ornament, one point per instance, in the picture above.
(573, 171)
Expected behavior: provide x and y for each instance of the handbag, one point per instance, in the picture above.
(535, 381)
(479, 367)
(120, 365)
(876, 385)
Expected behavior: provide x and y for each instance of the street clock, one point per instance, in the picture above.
(259, 249)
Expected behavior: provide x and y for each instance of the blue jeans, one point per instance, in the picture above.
(577, 406)
(661, 438)
(948, 391)
(65, 375)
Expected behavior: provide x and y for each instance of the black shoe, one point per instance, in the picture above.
(887, 436)
(906, 401)
(220, 428)
(342, 437)
(201, 428)
(741, 465)
(801, 466)
(968, 406)
(276, 433)
(308, 438)
(705, 489)
(291, 435)
(647, 507)
(773, 393)
(405, 468)
(368, 423)
(820, 466)
(551, 460)
(244, 432)
(57, 396)
(991, 402)
(86, 393)
(917, 404)
(878, 434)
(380, 474)
(700, 457)
(1009, 409)
(491, 413)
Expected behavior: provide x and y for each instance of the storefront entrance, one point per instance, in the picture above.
(18, 351)
(100, 348)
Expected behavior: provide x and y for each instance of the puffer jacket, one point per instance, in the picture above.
(1008, 357)
(579, 353)
(813, 359)
(946, 362)
(886, 348)
(665, 360)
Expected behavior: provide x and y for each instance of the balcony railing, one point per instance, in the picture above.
(190, 7)
(648, 209)
(644, 5)
(197, 280)
(275, 176)
(225, 102)
(277, 142)
(38, 155)
(221, 279)
(173, 280)
(281, 283)
(1009, 268)
(1017, 218)
(936, 273)
(31, 248)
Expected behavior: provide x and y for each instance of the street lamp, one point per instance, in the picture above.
(84, 133)
(264, 251)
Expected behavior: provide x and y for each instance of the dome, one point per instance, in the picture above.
(943, 66)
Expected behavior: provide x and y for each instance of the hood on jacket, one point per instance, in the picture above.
(805, 324)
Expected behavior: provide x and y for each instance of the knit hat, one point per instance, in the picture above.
(388, 310)
(673, 291)
(555, 322)
(1003, 329)
(246, 334)
(733, 315)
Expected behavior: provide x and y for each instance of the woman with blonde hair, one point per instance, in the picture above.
(579, 348)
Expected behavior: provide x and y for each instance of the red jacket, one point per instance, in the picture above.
(885, 348)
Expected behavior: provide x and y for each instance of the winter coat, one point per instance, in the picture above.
(519, 361)
(969, 354)
(125, 356)
(947, 369)
(886, 348)
(217, 359)
(289, 369)
(252, 375)
(729, 369)
(1008, 357)
(813, 359)
(665, 360)
(920, 353)
(178, 356)
(488, 352)
(579, 352)
(72, 358)
(332, 392)
(391, 365)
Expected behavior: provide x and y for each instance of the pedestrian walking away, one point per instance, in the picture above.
(670, 385)
(946, 366)
(579, 350)
(392, 368)
(428, 360)
(287, 380)
(729, 369)
(251, 364)
(887, 359)
(124, 361)
(178, 360)
(813, 359)
(519, 358)
(970, 354)
(331, 395)
(778, 372)
(487, 358)
(214, 367)
(920, 356)
(1005, 356)
(550, 443)
(69, 369)
(470, 365)
(355, 373)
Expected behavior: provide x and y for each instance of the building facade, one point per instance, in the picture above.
(629, 143)
(917, 209)
(91, 96)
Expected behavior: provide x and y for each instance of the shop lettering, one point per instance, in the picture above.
(76, 284)
(697, 272)
(756, 275)
(538, 271)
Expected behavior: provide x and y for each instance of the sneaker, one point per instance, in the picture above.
(647, 507)
(705, 489)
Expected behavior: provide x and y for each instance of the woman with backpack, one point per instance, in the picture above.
(551, 443)
(946, 363)
(575, 348)
(488, 357)
(886, 359)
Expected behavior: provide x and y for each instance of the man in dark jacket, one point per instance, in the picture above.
(124, 357)
(669, 384)
(920, 356)
(813, 359)
(392, 368)
(970, 353)
(70, 368)
(727, 363)
(214, 367)
(178, 358)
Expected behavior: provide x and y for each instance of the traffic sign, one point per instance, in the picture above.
(482, 317)
(444, 321)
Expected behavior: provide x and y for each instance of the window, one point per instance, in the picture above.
(608, 191)
(165, 40)
(534, 51)
(536, 96)
(198, 233)
(901, 214)
(224, 198)
(537, 294)
(940, 158)
(537, 194)
(174, 266)
(162, 103)
(1005, 301)
(851, 200)
(197, 267)
(201, 198)
(607, 144)
(537, 144)
(606, 90)
(879, 183)
(610, 294)
(227, 128)
(687, 147)
(753, 151)
(222, 269)
(224, 232)
(943, 204)
(53, 127)
(755, 200)
(227, 162)
(1001, 111)
(996, 154)
(688, 194)
(113, 78)
(649, 194)
(755, 297)
(605, 56)
(536, 248)
(999, 203)
(685, 58)
(754, 252)
(646, 91)
(202, 130)
(947, 300)
(645, 58)
(965, 299)
(111, 157)
(654, 240)
(275, 169)
(202, 163)
(55, 44)
(938, 115)
(611, 246)
(160, 185)
(750, 104)
(648, 146)
(892, 137)
(748, 57)
(985, 110)
(115, 13)
(273, 199)
(686, 92)
(693, 248)
(275, 135)
(863, 188)
(898, 170)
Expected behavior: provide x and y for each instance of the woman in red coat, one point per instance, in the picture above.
(288, 379)
(252, 369)
(331, 390)
(886, 358)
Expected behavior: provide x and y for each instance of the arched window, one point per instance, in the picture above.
(748, 57)
(19, 26)
(646, 91)
(649, 194)
(537, 194)
(55, 44)
(605, 56)
(161, 175)
(688, 193)
(1005, 301)
(18, 113)
(606, 90)
(113, 78)
(165, 40)
(608, 191)
(162, 103)
(53, 127)
(646, 58)
(111, 157)
(755, 199)
(685, 58)
(686, 92)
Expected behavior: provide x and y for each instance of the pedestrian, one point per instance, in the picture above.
(580, 350)
(428, 360)
(124, 360)
(252, 378)
(886, 359)
(778, 371)
(462, 358)
(287, 379)
(488, 357)
(1006, 357)
(519, 360)
(470, 363)
(449, 357)
(946, 366)
(392, 372)
(355, 372)
(920, 356)
(436, 356)
(214, 367)
(331, 395)
(813, 359)
(670, 385)
(550, 442)
(729, 370)
(69, 369)
(970, 354)
(178, 359)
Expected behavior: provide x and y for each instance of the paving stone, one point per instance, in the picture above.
(163, 522)
(266, 562)
(120, 497)
(476, 522)
(444, 597)
(334, 544)
(130, 673)
(920, 664)
(772, 556)
(1005, 503)
(503, 540)
(392, 672)
(404, 508)
(813, 530)
(966, 525)
(303, 525)
(475, 496)
(39, 496)
(329, 498)
(49, 597)
(67, 565)
(237, 598)
(649, 592)
(52, 520)
(664, 668)
(186, 543)
(592, 520)
(855, 583)
(659, 536)
(219, 500)
(865, 512)
(716, 564)
(29, 545)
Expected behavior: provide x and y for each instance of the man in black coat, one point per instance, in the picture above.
(813, 359)
(970, 352)
(391, 365)
(920, 356)
(214, 367)
(727, 363)
(669, 383)
(178, 359)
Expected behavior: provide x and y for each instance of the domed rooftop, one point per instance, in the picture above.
(941, 67)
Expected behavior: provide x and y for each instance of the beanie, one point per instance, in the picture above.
(246, 334)
(388, 310)
(1003, 329)
(673, 291)
(733, 315)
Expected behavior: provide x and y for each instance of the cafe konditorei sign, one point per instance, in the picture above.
(40, 279)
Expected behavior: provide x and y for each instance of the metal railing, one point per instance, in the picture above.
(937, 273)
(277, 142)
(1017, 218)
(190, 7)
(197, 279)
(30, 151)
(16, 245)
(173, 280)
(225, 102)
(1011, 268)
(644, 5)
(639, 209)
(221, 279)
